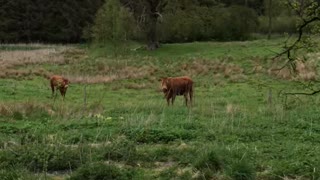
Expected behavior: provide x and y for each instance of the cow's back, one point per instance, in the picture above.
(180, 84)
(181, 81)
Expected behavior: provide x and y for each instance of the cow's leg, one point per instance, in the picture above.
(172, 99)
(62, 93)
(52, 88)
(186, 98)
(191, 95)
(167, 96)
(56, 93)
(168, 101)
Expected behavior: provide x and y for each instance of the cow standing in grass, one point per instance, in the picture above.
(60, 83)
(177, 86)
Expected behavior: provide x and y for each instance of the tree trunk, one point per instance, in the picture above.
(270, 19)
(152, 39)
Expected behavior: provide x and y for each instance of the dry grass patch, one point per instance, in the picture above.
(299, 70)
(306, 70)
(232, 109)
(126, 72)
(217, 68)
(25, 108)
(11, 61)
(86, 79)
(22, 74)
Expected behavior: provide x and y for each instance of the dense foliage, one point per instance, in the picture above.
(45, 20)
(151, 21)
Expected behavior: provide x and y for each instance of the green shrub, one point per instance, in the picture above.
(241, 170)
(233, 162)
(281, 24)
(9, 174)
(7, 159)
(100, 171)
(203, 23)
(17, 115)
(121, 150)
(114, 25)
(209, 160)
(43, 157)
(144, 135)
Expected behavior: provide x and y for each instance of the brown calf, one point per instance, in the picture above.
(177, 86)
(60, 83)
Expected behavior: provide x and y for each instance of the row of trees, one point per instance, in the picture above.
(152, 21)
(190, 20)
(46, 20)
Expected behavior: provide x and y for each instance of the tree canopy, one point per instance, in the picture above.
(149, 21)
(45, 20)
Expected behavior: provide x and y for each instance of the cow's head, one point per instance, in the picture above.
(64, 87)
(164, 84)
(66, 83)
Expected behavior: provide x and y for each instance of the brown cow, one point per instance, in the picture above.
(60, 83)
(177, 86)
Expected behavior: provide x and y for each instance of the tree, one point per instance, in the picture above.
(270, 18)
(272, 9)
(147, 14)
(114, 24)
(45, 20)
(308, 12)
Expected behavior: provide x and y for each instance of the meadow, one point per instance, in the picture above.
(115, 123)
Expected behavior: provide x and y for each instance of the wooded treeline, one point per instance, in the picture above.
(153, 21)
(46, 20)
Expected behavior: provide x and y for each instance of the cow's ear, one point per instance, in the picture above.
(162, 78)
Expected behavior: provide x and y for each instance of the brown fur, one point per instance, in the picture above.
(177, 86)
(60, 83)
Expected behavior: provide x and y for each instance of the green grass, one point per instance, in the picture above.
(234, 130)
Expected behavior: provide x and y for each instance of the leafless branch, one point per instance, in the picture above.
(303, 93)
(289, 49)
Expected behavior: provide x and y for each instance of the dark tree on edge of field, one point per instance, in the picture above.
(147, 14)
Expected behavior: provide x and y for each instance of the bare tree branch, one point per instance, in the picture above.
(302, 93)
(300, 31)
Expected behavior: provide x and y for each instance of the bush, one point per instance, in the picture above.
(241, 170)
(203, 23)
(99, 171)
(231, 162)
(146, 135)
(14, 174)
(209, 160)
(43, 157)
(281, 24)
(114, 25)
(17, 115)
(121, 150)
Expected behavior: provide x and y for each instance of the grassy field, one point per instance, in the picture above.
(115, 123)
